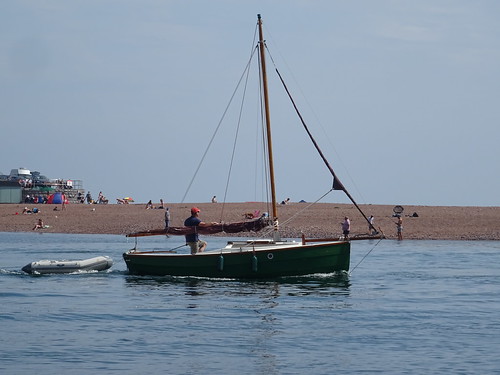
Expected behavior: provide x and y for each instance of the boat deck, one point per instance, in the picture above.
(250, 245)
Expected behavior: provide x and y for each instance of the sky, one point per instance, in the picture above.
(402, 96)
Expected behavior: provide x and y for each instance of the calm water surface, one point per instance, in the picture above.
(414, 307)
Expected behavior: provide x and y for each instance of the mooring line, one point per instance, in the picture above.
(362, 259)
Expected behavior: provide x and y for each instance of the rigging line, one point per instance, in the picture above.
(237, 130)
(218, 126)
(258, 151)
(178, 247)
(337, 184)
(306, 207)
(265, 149)
(339, 157)
(340, 186)
(259, 168)
(260, 144)
(268, 137)
(368, 253)
(171, 250)
(235, 140)
(269, 231)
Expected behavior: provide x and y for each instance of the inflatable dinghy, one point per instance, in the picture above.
(68, 266)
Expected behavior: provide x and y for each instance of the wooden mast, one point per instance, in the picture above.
(268, 127)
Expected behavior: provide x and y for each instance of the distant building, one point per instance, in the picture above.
(22, 185)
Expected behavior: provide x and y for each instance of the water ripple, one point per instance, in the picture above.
(410, 308)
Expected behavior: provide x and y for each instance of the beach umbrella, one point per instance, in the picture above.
(128, 199)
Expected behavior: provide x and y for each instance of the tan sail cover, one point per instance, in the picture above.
(243, 226)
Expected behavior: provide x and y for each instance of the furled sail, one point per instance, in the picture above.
(243, 226)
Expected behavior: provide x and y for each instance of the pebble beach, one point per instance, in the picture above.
(319, 220)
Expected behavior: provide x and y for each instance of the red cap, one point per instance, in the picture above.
(195, 210)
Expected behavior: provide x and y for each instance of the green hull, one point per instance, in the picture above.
(267, 262)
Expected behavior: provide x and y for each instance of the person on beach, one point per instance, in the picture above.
(214, 199)
(192, 240)
(167, 219)
(346, 227)
(371, 228)
(399, 228)
(149, 205)
(38, 225)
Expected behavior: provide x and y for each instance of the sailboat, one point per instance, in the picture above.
(250, 259)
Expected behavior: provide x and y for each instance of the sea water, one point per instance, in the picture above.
(410, 307)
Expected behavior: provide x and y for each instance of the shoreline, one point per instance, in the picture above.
(320, 220)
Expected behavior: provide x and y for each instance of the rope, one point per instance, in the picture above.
(170, 250)
(338, 155)
(265, 150)
(269, 231)
(218, 126)
(175, 248)
(178, 247)
(234, 143)
(337, 184)
(247, 70)
(362, 259)
(307, 207)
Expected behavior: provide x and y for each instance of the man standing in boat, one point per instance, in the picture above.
(192, 240)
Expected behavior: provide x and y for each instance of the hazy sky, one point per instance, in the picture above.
(403, 96)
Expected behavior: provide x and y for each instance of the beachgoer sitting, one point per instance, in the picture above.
(252, 215)
(38, 225)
